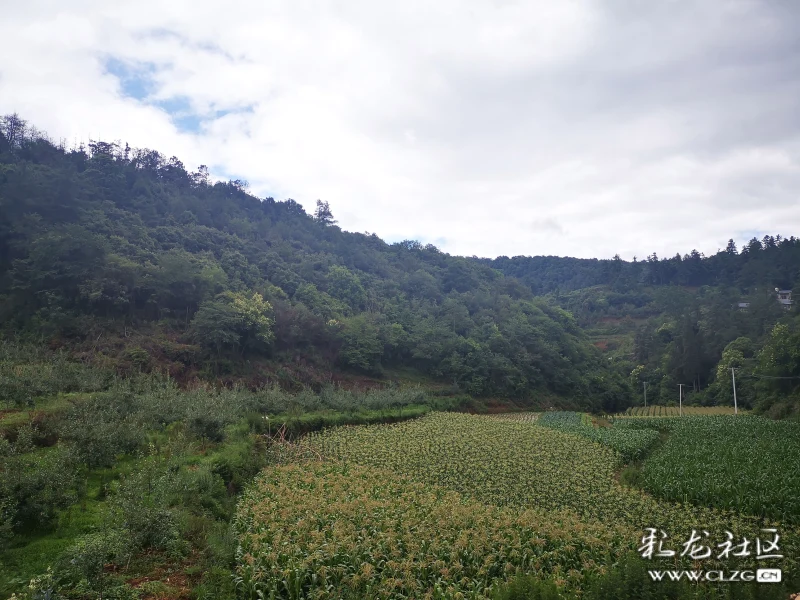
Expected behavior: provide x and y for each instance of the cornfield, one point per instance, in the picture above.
(745, 463)
(630, 443)
(334, 530)
(522, 417)
(382, 517)
(674, 411)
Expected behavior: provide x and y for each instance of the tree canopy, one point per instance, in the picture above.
(109, 240)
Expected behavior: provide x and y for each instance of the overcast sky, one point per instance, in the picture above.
(583, 128)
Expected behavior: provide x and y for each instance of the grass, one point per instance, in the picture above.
(11, 418)
(32, 552)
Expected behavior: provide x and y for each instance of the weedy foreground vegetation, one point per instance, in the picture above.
(125, 488)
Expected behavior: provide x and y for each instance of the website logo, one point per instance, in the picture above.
(768, 575)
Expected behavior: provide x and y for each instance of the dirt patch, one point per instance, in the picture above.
(162, 579)
(600, 422)
(8, 412)
(613, 320)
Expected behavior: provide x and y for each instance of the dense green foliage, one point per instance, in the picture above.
(686, 319)
(101, 486)
(745, 463)
(110, 243)
(773, 260)
(664, 336)
(630, 443)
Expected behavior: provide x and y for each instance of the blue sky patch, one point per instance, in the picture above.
(135, 81)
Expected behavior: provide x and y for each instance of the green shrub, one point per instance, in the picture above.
(140, 508)
(8, 514)
(101, 428)
(34, 485)
(87, 557)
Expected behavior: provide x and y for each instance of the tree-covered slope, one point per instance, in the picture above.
(687, 320)
(773, 261)
(111, 241)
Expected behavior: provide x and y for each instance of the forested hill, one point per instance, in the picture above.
(125, 255)
(688, 320)
(773, 261)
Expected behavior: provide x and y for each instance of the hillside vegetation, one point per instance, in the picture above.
(178, 359)
(687, 319)
(126, 256)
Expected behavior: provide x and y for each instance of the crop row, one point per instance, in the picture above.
(380, 519)
(745, 463)
(630, 443)
(522, 417)
(674, 411)
(326, 530)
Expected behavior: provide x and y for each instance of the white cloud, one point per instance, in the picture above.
(580, 128)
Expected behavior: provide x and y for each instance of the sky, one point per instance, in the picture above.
(580, 128)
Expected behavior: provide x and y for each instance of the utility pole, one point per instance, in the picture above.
(680, 399)
(735, 405)
(645, 394)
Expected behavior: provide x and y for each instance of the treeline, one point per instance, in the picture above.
(187, 274)
(671, 335)
(773, 261)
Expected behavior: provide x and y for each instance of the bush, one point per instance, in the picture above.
(28, 371)
(8, 514)
(101, 428)
(141, 510)
(86, 558)
(208, 426)
(34, 485)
